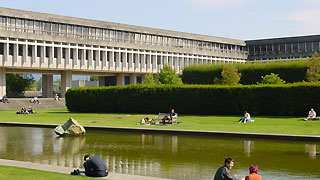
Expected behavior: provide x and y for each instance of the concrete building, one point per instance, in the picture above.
(299, 47)
(119, 54)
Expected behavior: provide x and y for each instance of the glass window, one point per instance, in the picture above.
(92, 33)
(63, 29)
(70, 29)
(85, 32)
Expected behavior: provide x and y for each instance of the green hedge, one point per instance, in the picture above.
(289, 99)
(292, 71)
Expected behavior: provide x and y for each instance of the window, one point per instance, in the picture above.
(20, 53)
(38, 51)
(48, 51)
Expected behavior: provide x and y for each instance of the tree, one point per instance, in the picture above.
(230, 76)
(149, 79)
(313, 71)
(17, 83)
(272, 79)
(94, 78)
(167, 75)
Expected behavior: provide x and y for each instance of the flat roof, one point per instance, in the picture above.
(113, 26)
(281, 40)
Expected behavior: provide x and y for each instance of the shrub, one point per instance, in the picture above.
(285, 99)
(272, 79)
(149, 79)
(292, 71)
(230, 76)
(167, 75)
(313, 71)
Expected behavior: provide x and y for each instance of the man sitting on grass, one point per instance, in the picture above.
(312, 115)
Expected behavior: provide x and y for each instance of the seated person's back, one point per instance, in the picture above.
(95, 167)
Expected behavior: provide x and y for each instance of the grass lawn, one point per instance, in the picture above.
(274, 125)
(17, 173)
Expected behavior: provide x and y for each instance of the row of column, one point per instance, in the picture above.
(51, 55)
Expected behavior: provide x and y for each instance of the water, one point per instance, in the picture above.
(164, 155)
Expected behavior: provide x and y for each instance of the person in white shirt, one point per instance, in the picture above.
(246, 118)
(312, 115)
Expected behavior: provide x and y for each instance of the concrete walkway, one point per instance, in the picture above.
(45, 103)
(67, 170)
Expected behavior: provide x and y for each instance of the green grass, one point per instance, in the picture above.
(272, 125)
(17, 173)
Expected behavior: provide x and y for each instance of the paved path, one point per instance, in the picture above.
(67, 170)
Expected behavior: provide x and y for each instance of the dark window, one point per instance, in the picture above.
(87, 54)
(71, 53)
(2, 48)
(111, 80)
(38, 51)
(139, 80)
(126, 80)
(20, 50)
(94, 55)
(30, 50)
(11, 49)
(64, 53)
(55, 52)
(101, 55)
(48, 52)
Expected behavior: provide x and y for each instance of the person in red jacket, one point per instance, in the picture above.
(253, 173)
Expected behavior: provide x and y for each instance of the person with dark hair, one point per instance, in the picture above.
(253, 173)
(223, 173)
(94, 166)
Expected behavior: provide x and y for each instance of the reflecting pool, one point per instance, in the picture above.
(164, 155)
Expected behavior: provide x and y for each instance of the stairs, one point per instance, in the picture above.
(45, 103)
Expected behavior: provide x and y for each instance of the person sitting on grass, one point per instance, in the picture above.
(145, 120)
(30, 110)
(312, 115)
(246, 118)
(23, 111)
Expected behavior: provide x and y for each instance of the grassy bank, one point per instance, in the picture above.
(272, 125)
(17, 173)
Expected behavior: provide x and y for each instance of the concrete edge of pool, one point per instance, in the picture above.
(67, 170)
(187, 132)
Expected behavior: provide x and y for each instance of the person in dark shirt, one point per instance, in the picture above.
(94, 166)
(223, 173)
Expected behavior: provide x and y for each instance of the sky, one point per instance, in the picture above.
(237, 19)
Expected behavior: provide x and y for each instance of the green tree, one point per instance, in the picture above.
(230, 76)
(17, 83)
(58, 82)
(313, 71)
(272, 79)
(167, 75)
(148, 79)
(94, 78)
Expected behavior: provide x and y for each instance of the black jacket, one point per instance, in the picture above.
(223, 173)
(95, 167)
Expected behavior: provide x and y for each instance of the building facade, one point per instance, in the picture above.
(299, 47)
(32, 42)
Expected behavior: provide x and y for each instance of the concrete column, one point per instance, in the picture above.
(102, 81)
(111, 58)
(2, 82)
(131, 65)
(15, 52)
(133, 79)
(66, 82)
(34, 53)
(47, 85)
(42, 54)
(120, 80)
(25, 46)
(6, 52)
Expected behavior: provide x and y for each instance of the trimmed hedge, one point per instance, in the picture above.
(288, 99)
(292, 71)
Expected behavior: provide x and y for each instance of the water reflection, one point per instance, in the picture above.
(161, 155)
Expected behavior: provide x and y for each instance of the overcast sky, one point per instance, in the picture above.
(237, 19)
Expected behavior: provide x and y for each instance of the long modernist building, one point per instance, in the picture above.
(32, 42)
(119, 54)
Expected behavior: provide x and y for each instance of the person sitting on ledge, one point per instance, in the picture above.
(5, 99)
(94, 167)
(246, 118)
(253, 173)
(35, 100)
(312, 115)
(56, 97)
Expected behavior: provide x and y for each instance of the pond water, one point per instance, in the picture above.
(189, 157)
